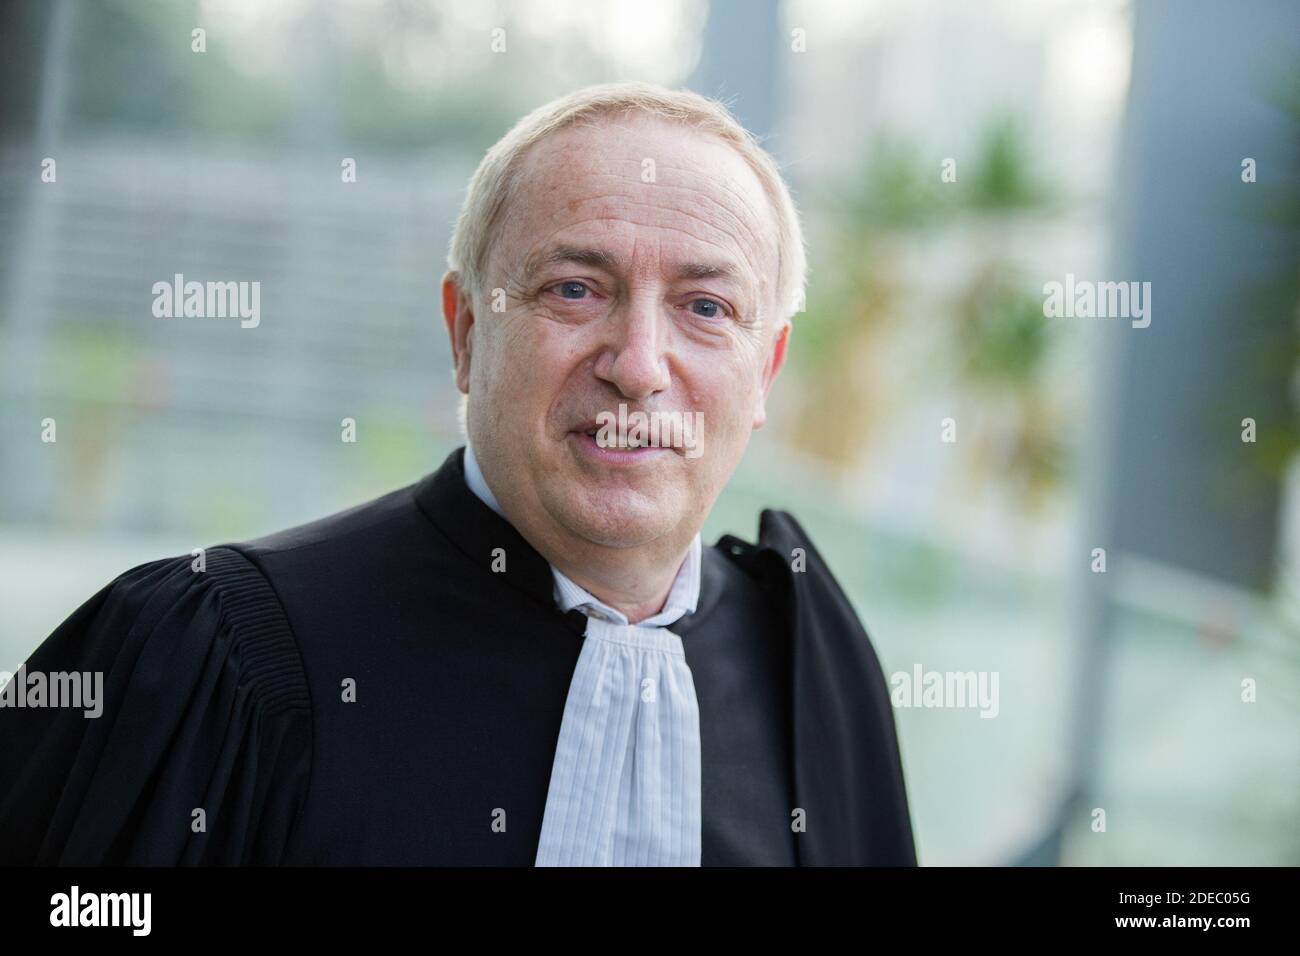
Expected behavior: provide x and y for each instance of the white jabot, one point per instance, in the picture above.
(625, 783)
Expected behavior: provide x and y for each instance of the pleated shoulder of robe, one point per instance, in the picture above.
(386, 686)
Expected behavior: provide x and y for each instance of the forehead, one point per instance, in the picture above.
(641, 181)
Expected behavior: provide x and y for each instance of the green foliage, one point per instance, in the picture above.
(899, 190)
(873, 233)
(899, 193)
(131, 69)
(900, 187)
(1003, 179)
(1275, 345)
(92, 361)
(1002, 338)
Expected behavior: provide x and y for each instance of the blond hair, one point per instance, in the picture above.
(491, 186)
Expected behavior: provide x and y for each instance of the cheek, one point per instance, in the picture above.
(532, 358)
(724, 382)
(726, 397)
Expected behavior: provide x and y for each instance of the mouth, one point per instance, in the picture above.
(620, 441)
(621, 450)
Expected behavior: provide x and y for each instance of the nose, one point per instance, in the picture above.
(634, 359)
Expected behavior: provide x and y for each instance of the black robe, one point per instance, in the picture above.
(227, 691)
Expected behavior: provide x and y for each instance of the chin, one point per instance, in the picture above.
(621, 519)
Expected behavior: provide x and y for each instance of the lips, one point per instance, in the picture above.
(639, 431)
(616, 454)
(591, 428)
(620, 441)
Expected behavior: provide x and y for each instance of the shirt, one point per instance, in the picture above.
(625, 783)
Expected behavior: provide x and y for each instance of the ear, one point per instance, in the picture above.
(458, 314)
(775, 359)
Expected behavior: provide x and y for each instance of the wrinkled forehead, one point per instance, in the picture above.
(640, 178)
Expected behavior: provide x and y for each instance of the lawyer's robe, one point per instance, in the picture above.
(230, 691)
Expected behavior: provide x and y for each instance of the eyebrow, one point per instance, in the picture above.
(597, 258)
(609, 262)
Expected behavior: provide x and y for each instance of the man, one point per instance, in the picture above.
(528, 657)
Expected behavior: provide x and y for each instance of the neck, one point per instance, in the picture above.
(639, 589)
(635, 581)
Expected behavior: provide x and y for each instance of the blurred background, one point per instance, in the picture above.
(1104, 139)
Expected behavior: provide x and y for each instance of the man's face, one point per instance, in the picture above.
(638, 262)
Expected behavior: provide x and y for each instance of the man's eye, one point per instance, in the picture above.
(571, 290)
(709, 308)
